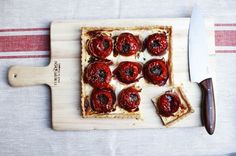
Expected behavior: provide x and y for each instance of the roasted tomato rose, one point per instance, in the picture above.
(103, 100)
(168, 104)
(98, 75)
(129, 99)
(100, 46)
(156, 71)
(127, 72)
(156, 44)
(127, 44)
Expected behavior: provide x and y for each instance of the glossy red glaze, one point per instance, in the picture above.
(156, 44)
(100, 46)
(129, 99)
(168, 104)
(156, 71)
(127, 44)
(127, 72)
(98, 75)
(103, 100)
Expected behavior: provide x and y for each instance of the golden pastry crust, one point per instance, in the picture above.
(142, 31)
(182, 112)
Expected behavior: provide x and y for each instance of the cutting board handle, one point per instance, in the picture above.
(19, 76)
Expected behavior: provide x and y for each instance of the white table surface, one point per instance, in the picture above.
(25, 113)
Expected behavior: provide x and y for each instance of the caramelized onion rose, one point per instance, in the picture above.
(168, 104)
(156, 71)
(127, 72)
(102, 100)
(127, 44)
(129, 99)
(98, 75)
(100, 46)
(156, 44)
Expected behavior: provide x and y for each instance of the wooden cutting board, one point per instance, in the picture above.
(63, 75)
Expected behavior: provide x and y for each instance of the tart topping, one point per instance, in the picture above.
(98, 75)
(156, 71)
(156, 44)
(127, 44)
(100, 46)
(103, 100)
(129, 99)
(127, 72)
(168, 104)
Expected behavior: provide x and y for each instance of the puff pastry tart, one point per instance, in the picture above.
(117, 62)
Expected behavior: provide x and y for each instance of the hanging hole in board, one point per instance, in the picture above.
(15, 75)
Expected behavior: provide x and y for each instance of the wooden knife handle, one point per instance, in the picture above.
(208, 105)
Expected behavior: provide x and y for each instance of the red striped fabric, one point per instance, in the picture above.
(225, 37)
(29, 43)
(225, 51)
(24, 43)
(24, 29)
(24, 56)
(225, 24)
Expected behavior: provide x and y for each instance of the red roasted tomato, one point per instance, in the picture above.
(103, 100)
(100, 46)
(156, 71)
(168, 104)
(129, 99)
(156, 44)
(98, 75)
(127, 71)
(127, 44)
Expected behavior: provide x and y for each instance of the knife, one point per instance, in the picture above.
(198, 68)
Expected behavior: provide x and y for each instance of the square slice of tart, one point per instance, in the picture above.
(172, 106)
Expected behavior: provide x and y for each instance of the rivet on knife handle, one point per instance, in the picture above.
(208, 105)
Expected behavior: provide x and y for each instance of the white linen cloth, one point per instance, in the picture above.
(25, 113)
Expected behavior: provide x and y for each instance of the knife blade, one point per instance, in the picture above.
(198, 68)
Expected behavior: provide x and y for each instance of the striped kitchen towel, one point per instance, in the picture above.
(26, 43)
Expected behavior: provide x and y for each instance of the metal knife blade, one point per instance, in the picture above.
(198, 68)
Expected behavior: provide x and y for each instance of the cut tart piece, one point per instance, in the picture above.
(172, 106)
